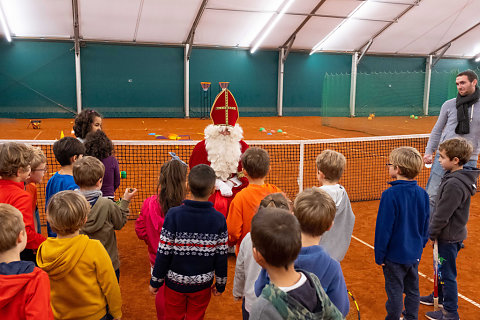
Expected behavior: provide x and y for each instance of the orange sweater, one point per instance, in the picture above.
(243, 208)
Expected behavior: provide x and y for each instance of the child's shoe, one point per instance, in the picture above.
(428, 300)
(441, 315)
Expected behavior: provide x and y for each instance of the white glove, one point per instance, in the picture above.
(224, 188)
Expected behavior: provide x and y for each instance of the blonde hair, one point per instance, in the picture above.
(87, 171)
(67, 212)
(38, 157)
(331, 163)
(315, 210)
(408, 160)
(14, 156)
(11, 226)
(457, 147)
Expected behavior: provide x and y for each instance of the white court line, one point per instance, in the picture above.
(476, 304)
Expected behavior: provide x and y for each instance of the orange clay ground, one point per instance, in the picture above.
(363, 277)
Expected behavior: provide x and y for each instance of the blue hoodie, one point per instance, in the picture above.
(401, 231)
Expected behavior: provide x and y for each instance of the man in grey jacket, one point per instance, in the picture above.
(459, 117)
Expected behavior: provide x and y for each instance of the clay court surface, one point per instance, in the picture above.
(363, 277)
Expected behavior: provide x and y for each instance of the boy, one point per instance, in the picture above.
(82, 279)
(105, 215)
(39, 167)
(276, 240)
(192, 251)
(449, 220)
(401, 232)
(330, 165)
(315, 211)
(256, 163)
(15, 161)
(25, 289)
(66, 150)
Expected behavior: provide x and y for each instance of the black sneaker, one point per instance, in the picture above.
(428, 300)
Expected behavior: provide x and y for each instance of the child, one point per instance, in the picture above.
(15, 161)
(105, 216)
(401, 232)
(82, 279)
(330, 165)
(171, 191)
(86, 121)
(246, 268)
(315, 211)
(39, 167)
(276, 240)
(98, 145)
(449, 219)
(256, 163)
(192, 251)
(25, 289)
(66, 150)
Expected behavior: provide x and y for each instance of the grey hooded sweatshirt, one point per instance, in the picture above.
(448, 221)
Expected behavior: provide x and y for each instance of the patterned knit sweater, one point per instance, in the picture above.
(192, 249)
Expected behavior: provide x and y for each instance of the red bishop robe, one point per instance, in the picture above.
(199, 156)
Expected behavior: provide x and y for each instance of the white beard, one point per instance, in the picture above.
(223, 151)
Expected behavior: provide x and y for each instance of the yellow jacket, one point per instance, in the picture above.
(82, 278)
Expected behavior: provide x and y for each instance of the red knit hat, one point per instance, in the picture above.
(224, 110)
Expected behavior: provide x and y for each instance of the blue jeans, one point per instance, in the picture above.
(435, 179)
(400, 279)
(245, 314)
(447, 290)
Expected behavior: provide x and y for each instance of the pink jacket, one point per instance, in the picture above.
(149, 224)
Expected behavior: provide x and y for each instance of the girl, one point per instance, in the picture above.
(171, 191)
(86, 121)
(98, 145)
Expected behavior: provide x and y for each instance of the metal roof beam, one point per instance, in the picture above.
(389, 24)
(456, 38)
(76, 27)
(440, 56)
(191, 34)
(304, 22)
(299, 14)
(139, 15)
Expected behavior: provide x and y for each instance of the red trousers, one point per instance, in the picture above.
(186, 306)
(160, 303)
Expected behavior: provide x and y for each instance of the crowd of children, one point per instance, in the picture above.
(288, 255)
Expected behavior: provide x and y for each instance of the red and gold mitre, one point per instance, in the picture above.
(224, 109)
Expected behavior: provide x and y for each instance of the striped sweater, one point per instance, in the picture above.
(193, 249)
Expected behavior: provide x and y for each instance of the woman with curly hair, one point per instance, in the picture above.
(98, 145)
(86, 121)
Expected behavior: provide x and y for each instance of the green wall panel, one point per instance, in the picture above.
(370, 64)
(133, 81)
(37, 79)
(252, 77)
(303, 81)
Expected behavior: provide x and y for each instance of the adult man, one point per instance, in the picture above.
(221, 149)
(459, 117)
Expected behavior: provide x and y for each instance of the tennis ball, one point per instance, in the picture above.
(416, 117)
(279, 130)
(123, 174)
(412, 116)
(261, 129)
(369, 118)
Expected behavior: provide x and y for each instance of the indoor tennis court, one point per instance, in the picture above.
(358, 76)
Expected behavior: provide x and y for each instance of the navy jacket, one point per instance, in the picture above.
(401, 231)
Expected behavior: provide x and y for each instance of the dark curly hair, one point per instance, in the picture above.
(83, 122)
(98, 145)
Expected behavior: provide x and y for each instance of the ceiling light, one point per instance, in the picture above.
(272, 25)
(3, 22)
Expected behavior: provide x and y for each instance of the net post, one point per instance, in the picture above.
(186, 81)
(300, 166)
(426, 88)
(353, 83)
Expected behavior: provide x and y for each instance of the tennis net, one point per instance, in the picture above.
(292, 164)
